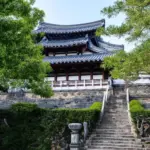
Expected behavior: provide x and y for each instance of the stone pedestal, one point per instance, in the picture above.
(75, 141)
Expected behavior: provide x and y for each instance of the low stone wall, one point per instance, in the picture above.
(141, 93)
(74, 99)
(139, 90)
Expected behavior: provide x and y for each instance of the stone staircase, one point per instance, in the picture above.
(114, 133)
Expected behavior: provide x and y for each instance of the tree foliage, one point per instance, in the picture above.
(136, 28)
(21, 60)
(33, 128)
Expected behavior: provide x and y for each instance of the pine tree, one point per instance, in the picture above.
(136, 28)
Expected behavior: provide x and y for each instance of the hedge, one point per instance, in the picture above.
(33, 128)
(137, 110)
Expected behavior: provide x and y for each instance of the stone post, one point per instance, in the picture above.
(75, 140)
(85, 125)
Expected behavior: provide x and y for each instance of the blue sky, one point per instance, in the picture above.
(80, 11)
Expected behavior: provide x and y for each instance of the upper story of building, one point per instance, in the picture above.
(73, 43)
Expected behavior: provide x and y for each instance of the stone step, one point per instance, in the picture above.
(116, 108)
(117, 101)
(114, 148)
(105, 120)
(115, 119)
(114, 142)
(115, 124)
(114, 138)
(104, 130)
(112, 110)
(117, 136)
(118, 117)
(113, 102)
(112, 133)
(116, 145)
(110, 115)
(109, 126)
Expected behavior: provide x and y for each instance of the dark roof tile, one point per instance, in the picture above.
(60, 29)
(63, 43)
(76, 58)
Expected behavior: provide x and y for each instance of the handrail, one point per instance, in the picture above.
(127, 98)
(82, 82)
(128, 106)
(105, 99)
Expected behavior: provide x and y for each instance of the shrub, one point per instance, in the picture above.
(33, 128)
(135, 106)
(23, 107)
(96, 106)
(136, 109)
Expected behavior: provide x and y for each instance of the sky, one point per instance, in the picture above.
(80, 11)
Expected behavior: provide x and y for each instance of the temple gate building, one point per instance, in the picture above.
(75, 54)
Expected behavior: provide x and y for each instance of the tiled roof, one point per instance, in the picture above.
(103, 46)
(60, 29)
(76, 58)
(108, 46)
(96, 49)
(63, 43)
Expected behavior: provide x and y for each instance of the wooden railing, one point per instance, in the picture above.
(83, 84)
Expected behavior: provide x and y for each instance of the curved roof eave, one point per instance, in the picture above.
(63, 43)
(109, 46)
(76, 58)
(61, 29)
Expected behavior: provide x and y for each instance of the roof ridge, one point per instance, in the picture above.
(117, 45)
(80, 24)
(77, 56)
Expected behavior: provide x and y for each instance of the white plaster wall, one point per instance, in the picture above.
(72, 78)
(85, 77)
(60, 55)
(50, 79)
(61, 78)
(97, 77)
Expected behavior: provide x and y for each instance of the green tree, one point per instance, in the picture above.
(136, 28)
(21, 60)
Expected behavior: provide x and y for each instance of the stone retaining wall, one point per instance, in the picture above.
(74, 99)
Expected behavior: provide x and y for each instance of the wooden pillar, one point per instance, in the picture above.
(46, 52)
(54, 54)
(67, 76)
(103, 75)
(55, 77)
(79, 76)
(91, 76)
